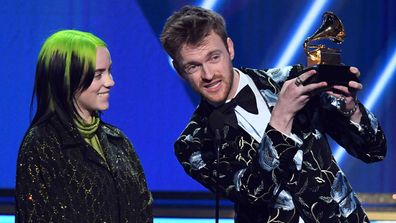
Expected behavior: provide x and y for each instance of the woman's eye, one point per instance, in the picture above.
(98, 75)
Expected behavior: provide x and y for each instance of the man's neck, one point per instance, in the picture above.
(235, 84)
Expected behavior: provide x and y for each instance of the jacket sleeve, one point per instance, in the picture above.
(144, 193)
(34, 202)
(365, 141)
(252, 180)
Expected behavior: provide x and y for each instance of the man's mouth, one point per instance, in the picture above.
(213, 85)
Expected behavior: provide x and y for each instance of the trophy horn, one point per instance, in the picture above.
(331, 28)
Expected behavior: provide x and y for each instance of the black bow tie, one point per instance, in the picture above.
(225, 114)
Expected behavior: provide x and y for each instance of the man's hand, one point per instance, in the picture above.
(293, 96)
(347, 95)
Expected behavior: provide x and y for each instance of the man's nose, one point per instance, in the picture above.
(207, 73)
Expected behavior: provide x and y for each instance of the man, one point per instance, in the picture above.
(274, 160)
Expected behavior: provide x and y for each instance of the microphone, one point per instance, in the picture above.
(217, 206)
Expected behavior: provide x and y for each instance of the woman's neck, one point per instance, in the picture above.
(85, 115)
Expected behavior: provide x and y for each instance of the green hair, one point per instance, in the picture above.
(65, 67)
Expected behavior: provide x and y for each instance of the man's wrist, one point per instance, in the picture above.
(357, 115)
(350, 112)
(342, 107)
(281, 123)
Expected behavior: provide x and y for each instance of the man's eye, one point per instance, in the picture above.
(215, 58)
(191, 69)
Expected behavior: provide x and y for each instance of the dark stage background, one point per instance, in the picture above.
(151, 104)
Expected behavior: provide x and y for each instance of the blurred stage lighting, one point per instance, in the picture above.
(376, 92)
(301, 33)
(208, 4)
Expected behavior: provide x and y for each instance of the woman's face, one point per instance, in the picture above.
(96, 96)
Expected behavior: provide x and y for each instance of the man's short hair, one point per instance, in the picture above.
(190, 25)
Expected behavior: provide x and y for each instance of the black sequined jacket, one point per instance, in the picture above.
(61, 178)
(277, 179)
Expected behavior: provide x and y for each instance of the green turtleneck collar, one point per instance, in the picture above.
(88, 132)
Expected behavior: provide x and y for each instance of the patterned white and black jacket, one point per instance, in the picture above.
(278, 180)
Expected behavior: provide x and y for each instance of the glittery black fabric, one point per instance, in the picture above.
(61, 178)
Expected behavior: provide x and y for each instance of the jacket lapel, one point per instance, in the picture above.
(72, 140)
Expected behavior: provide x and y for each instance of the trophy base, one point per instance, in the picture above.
(332, 74)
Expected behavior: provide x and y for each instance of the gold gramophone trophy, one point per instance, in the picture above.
(327, 61)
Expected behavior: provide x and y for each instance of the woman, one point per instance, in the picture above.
(73, 167)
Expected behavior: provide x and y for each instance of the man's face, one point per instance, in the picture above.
(208, 69)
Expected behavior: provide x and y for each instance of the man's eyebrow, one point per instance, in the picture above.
(210, 54)
(213, 52)
(191, 63)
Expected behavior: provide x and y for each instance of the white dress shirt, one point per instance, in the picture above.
(255, 124)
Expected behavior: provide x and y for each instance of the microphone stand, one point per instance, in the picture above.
(217, 206)
(216, 123)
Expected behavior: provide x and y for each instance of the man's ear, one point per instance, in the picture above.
(230, 47)
(177, 68)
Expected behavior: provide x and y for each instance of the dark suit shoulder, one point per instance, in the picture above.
(276, 74)
(198, 118)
